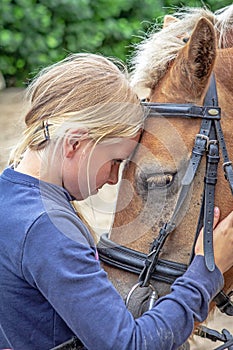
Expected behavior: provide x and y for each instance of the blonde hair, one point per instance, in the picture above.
(84, 91)
(153, 54)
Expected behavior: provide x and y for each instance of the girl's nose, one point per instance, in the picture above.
(114, 173)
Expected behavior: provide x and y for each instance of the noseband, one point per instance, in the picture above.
(208, 141)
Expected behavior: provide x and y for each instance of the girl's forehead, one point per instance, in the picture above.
(121, 142)
(120, 148)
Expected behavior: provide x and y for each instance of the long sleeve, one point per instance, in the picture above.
(71, 279)
(53, 287)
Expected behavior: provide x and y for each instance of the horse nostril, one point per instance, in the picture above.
(159, 181)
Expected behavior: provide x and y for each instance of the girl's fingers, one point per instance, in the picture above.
(216, 216)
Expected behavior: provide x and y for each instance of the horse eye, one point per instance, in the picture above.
(159, 181)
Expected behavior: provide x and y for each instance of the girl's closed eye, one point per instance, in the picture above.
(117, 161)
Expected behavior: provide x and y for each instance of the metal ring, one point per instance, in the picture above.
(226, 164)
(137, 285)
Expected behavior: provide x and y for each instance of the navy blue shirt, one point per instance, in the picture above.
(52, 286)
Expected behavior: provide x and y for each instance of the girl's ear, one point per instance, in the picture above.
(73, 140)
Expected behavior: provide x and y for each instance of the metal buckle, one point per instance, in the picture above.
(203, 137)
(154, 295)
(209, 142)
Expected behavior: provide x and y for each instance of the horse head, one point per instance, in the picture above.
(173, 66)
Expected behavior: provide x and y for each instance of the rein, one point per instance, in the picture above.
(208, 141)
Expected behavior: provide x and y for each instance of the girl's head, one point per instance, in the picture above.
(85, 92)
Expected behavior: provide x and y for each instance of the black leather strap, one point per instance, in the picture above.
(214, 335)
(152, 258)
(224, 303)
(133, 261)
(72, 344)
(200, 147)
(227, 346)
(198, 151)
(227, 164)
(177, 110)
(209, 195)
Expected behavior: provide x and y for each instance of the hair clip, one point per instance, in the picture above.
(46, 129)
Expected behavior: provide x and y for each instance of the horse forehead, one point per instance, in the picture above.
(168, 137)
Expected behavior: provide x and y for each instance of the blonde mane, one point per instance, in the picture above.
(153, 55)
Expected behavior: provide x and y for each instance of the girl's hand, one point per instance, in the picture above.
(222, 241)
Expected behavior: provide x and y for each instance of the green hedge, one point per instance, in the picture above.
(36, 33)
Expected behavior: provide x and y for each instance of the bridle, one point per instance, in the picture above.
(208, 141)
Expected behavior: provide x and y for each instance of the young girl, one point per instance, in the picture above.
(84, 120)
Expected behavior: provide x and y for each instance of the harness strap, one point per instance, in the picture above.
(212, 159)
(224, 303)
(72, 344)
(227, 346)
(209, 195)
(133, 261)
(152, 258)
(177, 110)
(214, 335)
(199, 149)
(227, 164)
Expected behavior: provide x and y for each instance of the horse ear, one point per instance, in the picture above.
(198, 55)
(169, 19)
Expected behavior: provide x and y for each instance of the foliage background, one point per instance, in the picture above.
(36, 33)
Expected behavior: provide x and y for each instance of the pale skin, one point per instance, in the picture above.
(223, 241)
(82, 159)
(80, 166)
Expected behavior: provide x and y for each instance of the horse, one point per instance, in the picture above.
(175, 71)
